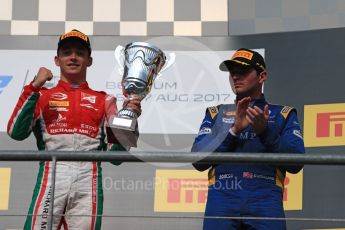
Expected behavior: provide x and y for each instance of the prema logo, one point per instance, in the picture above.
(324, 125)
(186, 191)
(4, 81)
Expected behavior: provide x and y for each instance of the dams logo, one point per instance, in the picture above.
(324, 125)
(4, 81)
(5, 179)
(186, 191)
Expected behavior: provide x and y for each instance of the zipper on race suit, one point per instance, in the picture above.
(76, 117)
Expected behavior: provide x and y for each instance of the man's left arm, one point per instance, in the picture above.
(111, 110)
(285, 137)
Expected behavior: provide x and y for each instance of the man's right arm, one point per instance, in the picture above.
(205, 128)
(26, 112)
(213, 136)
(22, 119)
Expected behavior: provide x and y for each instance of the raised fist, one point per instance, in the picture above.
(42, 76)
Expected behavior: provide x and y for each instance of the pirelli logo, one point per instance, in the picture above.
(74, 34)
(325, 229)
(5, 180)
(293, 191)
(59, 103)
(186, 191)
(324, 125)
(325, 121)
(180, 191)
(243, 54)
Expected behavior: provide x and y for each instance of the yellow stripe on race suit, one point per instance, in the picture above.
(211, 176)
(5, 181)
(280, 178)
(285, 111)
(213, 111)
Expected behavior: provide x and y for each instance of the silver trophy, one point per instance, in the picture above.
(142, 63)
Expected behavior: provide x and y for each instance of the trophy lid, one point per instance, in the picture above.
(146, 45)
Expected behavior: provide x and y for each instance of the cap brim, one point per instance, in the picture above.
(228, 65)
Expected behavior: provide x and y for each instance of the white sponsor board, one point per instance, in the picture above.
(175, 105)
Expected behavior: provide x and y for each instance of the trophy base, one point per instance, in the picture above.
(123, 130)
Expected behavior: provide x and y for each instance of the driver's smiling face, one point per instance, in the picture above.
(73, 59)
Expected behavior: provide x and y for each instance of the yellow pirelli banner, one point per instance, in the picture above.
(5, 179)
(186, 191)
(180, 191)
(326, 229)
(324, 125)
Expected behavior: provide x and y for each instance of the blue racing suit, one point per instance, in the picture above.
(247, 190)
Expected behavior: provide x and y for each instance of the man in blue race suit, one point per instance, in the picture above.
(250, 125)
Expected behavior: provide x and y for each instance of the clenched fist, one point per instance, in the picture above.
(42, 76)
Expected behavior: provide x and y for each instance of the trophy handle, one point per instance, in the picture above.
(119, 57)
(169, 62)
